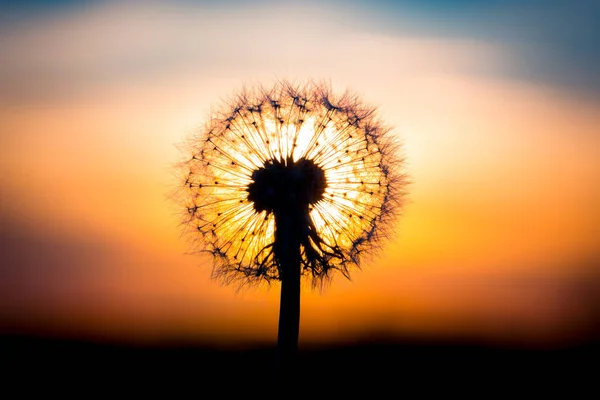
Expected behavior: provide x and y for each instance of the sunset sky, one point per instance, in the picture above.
(497, 104)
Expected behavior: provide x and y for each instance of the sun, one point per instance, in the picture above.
(324, 165)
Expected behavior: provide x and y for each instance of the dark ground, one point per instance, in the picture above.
(396, 369)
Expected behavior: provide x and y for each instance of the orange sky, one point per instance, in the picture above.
(498, 241)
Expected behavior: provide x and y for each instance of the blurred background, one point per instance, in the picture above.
(497, 104)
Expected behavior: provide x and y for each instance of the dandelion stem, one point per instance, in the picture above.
(287, 245)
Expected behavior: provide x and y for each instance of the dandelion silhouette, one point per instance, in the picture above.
(287, 182)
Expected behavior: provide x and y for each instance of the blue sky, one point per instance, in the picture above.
(556, 41)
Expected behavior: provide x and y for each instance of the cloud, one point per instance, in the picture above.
(553, 42)
(52, 48)
(132, 43)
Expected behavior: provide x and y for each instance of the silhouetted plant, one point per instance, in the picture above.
(286, 182)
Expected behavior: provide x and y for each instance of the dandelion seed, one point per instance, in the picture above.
(270, 148)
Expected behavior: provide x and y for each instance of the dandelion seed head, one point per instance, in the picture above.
(327, 158)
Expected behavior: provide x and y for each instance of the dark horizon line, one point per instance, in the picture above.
(371, 341)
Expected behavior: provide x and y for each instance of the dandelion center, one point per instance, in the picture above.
(286, 184)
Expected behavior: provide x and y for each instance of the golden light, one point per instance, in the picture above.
(317, 133)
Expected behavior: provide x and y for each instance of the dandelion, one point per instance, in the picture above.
(290, 181)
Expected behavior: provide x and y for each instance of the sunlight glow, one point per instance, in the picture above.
(289, 125)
